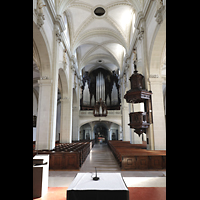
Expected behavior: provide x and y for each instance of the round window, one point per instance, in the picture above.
(99, 11)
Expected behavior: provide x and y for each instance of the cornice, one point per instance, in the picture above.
(55, 18)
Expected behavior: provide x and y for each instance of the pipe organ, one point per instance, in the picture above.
(100, 87)
(100, 84)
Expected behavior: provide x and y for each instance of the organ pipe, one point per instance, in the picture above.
(100, 87)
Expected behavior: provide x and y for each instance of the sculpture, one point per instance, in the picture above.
(64, 56)
(134, 56)
(159, 4)
(40, 6)
(39, 13)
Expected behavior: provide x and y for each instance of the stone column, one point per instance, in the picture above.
(66, 120)
(75, 123)
(125, 126)
(125, 86)
(66, 113)
(45, 136)
(64, 134)
(159, 127)
(120, 133)
(92, 124)
(110, 134)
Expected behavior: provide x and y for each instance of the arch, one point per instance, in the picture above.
(90, 120)
(103, 66)
(97, 57)
(63, 82)
(36, 57)
(35, 92)
(137, 5)
(156, 49)
(75, 100)
(86, 132)
(35, 101)
(41, 44)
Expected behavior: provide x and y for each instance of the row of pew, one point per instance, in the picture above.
(67, 155)
(136, 156)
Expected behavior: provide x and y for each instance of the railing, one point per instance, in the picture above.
(90, 113)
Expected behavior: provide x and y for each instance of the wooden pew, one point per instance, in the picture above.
(130, 156)
(67, 155)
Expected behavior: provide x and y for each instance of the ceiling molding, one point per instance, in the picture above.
(96, 57)
(99, 32)
(113, 26)
(113, 23)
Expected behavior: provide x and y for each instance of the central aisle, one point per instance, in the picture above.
(101, 157)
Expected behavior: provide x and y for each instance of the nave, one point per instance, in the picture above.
(141, 184)
(83, 62)
(101, 157)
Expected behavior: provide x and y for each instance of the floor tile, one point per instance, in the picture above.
(135, 193)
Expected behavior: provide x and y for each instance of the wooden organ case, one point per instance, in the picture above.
(102, 91)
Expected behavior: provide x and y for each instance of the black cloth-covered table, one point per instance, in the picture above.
(109, 186)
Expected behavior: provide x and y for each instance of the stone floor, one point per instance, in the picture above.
(101, 157)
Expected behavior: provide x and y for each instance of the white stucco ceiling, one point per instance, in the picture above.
(104, 37)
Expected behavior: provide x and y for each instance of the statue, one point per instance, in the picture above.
(39, 13)
(64, 56)
(135, 59)
(134, 55)
(40, 6)
(159, 4)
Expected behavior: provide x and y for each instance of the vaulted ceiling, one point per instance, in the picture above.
(100, 41)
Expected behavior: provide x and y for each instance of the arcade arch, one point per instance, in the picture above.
(101, 131)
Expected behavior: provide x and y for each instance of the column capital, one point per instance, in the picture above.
(65, 99)
(45, 82)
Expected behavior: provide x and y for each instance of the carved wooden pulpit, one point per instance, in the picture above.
(139, 120)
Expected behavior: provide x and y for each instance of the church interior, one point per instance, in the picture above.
(99, 92)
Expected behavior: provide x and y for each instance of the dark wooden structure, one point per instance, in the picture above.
(67, 155)
(139, 120)
(110, 78)
(34, 120)
(100, 109)
(135, 156)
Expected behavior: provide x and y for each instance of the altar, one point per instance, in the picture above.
(109, 186)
